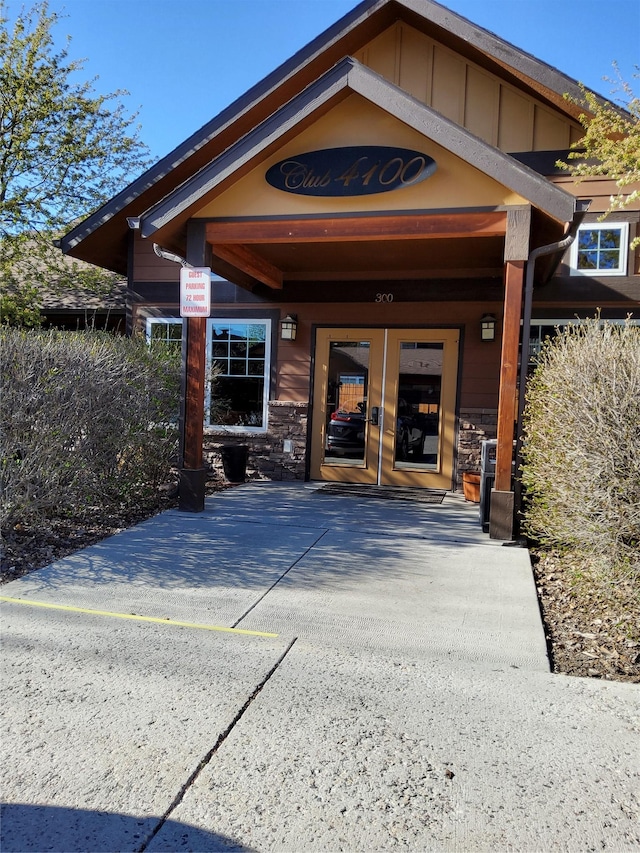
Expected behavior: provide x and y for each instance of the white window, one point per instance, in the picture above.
(164, 332)
(239, 352)
(541, 330)
(600, 249)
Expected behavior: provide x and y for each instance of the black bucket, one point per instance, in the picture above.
(234, 462)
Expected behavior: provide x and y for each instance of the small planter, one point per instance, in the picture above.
(471, 487)
(234, 462)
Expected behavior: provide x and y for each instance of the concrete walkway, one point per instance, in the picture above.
(384, 686)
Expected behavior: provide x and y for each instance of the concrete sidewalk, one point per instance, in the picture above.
(385, 687)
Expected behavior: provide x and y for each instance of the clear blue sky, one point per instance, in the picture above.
(185, 60)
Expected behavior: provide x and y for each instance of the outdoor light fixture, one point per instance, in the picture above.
(289, 327)
(488, 328)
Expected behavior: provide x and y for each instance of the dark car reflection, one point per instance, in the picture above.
(346, 432)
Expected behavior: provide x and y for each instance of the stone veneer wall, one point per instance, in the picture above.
(267, 457)
(476, 425)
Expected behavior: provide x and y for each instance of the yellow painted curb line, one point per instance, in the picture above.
(133, 616)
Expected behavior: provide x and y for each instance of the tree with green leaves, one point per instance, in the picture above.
(65, 150)
(610, 146)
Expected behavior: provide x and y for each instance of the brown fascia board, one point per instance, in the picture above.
(543, 195)
(108, 248)
(349, 76)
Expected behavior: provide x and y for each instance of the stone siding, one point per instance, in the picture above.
(281, 453)
(476, 425)
(278, 455)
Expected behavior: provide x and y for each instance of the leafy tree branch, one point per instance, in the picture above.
(610, 146)
(64, 151)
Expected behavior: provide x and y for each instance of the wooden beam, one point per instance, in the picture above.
(194, 393)
(507, 405)
(516, 243)
(249, 263)
(358, 228)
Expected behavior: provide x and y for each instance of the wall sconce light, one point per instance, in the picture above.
(289, 327)
(488, 328)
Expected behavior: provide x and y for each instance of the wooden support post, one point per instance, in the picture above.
(194, 392)
(507, 401)
(192, 472)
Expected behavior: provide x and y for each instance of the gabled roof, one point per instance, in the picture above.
(102, 237)
(351, 77)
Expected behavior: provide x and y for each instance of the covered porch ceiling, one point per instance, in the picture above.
(273, 251)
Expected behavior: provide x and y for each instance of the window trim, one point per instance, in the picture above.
(268, 367)
(150, 321)
(621, 270)
(537, 322)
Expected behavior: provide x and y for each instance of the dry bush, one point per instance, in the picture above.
(88, 420)
(582, 446)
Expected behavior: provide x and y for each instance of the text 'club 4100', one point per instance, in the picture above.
(350, 171)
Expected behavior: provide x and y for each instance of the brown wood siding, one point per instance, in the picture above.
(147, 266)
(580, 291)
(480, 362)
(599, 190)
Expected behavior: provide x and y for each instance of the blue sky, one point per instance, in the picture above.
(185, 60)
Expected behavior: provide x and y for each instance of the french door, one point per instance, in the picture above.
(384, 406)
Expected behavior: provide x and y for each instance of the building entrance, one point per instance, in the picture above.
(384, 406)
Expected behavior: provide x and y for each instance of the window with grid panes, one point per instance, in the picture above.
(600, 248)
(239, 354)
(164, 332)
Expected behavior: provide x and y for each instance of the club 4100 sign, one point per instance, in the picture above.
(360, 170)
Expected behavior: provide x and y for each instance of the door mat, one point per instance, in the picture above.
(394, 493)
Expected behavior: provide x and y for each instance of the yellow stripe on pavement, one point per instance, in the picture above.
(133, 616)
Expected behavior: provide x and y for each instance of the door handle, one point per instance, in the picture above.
(374, 419)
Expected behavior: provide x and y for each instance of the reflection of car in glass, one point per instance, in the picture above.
(410, 432)
(345, 431)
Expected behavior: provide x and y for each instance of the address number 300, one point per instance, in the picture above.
(384, 297)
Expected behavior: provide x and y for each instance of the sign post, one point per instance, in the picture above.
(195, 306)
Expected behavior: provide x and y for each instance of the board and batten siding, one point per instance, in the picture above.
(481, 102)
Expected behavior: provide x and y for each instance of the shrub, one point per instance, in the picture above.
(581, 451)
(87, 420)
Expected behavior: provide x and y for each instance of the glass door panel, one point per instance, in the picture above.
(384, 406)
(421, 369)
(346, 405)
(417, 439)
(348, 380)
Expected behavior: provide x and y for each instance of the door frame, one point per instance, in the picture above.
(379, 463)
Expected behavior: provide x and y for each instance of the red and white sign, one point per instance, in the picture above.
(195, 291)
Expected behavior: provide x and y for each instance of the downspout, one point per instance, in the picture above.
(170, 256)
(559, 247)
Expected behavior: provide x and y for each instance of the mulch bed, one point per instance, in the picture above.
(592, 628)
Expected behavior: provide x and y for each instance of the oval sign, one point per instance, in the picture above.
(357, 170)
